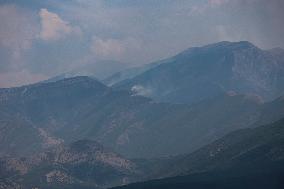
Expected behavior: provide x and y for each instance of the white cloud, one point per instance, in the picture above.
(108, 47)
(53, 27)
(113, 48)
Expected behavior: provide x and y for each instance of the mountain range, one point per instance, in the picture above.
(209, 115)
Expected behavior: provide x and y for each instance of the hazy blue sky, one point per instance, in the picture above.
(42, 38)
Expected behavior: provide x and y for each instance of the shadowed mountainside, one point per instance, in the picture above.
(247, 158)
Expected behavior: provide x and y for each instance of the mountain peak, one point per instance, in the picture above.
(219, 47)
(230, 45)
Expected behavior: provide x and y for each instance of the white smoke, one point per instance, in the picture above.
(140, 90)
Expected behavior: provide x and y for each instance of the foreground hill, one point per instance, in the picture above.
(248, 158)
(40, 116)
(204, 72)
(272, 179)
(243, 149)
